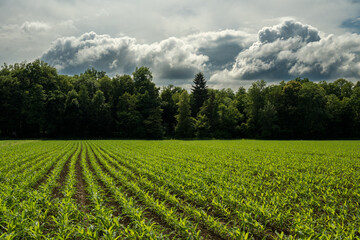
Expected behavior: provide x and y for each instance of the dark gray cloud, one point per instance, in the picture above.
(221, 47)
(352, 24)
(223, 55)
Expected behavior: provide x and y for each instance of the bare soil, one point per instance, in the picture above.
(81, 195)
(62, 178)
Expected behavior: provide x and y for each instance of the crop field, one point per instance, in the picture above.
(128, 189)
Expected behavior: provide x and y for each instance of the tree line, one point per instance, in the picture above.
(36, 101)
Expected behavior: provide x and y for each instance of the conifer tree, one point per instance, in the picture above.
(199, 93)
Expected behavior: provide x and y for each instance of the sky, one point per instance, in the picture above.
(233, 42)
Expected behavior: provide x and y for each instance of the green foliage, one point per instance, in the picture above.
(268, 118)
(72, 113)
(355, 107)
(36, 102)
(127, 115)
(101, 115)
(208, 117)
(311, 109)
(255, 101)
(148, 105)
(229, 115)
(185, 123)
(169, 106)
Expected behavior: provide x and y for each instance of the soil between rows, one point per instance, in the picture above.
(80, 194)
(62, 178)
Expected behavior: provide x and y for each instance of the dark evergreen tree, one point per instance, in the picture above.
(199, 93)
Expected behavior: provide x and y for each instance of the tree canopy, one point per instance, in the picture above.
(36, 101)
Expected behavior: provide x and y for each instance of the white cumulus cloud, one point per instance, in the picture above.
(171, 58)
(292, 49)
(227, 57)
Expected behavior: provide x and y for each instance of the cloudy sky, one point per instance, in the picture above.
(234, 42)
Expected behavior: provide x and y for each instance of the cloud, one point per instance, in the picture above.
(24, 28)
(228, 57)
(292, 49)
(352, 24)
(221, 47)
(208, 28)
(31, 27)
(172, 58)
(331, 57)
(286, 30)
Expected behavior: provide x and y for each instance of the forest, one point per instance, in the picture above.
(38, 102)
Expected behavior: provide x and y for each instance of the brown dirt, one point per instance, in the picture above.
(62, 178)
(81, 195)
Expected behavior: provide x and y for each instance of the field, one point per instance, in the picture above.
(243, 189)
